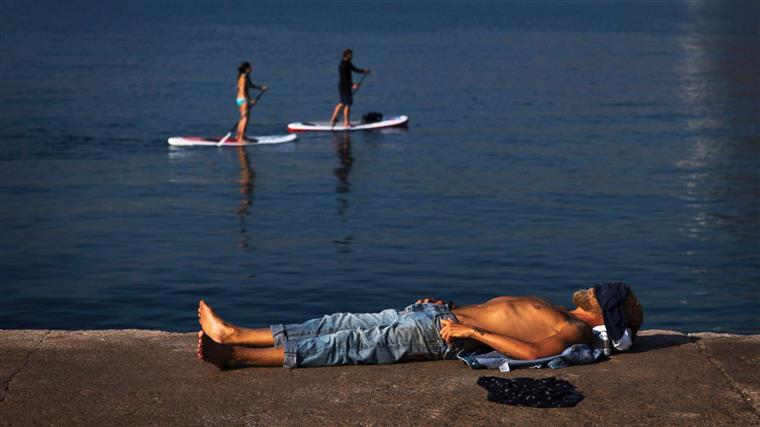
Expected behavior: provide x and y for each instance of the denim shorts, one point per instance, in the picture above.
(368, 338)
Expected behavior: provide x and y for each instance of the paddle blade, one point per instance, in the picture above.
(223, 140)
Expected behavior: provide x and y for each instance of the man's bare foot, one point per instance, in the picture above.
(213, 325)
(213, 352)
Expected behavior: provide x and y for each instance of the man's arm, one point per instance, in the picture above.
(514, 347)
(355, 69)
(435, 301)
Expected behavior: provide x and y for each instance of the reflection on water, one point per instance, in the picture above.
(246, 181)
(720, 181)
(721, 90)
(625, 148)
(342, 143)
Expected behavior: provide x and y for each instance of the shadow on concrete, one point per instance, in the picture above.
(655, 342)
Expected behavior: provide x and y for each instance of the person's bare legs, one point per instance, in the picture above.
(336, 111)
(245, 110)
(226, 333)
(230, 356)
(347, 116)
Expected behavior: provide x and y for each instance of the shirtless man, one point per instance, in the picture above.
(520, 327)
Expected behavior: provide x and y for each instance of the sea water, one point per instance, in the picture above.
(552, 145)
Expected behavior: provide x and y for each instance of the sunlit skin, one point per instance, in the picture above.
(243, 85)
(521, 327)
(346, 112)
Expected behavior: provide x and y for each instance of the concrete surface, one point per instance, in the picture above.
(136, 377)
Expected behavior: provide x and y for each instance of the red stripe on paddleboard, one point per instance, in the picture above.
(206, 139)
(402, 124)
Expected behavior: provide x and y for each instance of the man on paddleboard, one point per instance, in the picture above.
(346, 88)
(524, 328)
(244, 100)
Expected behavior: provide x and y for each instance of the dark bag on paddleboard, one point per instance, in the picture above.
(372, 117)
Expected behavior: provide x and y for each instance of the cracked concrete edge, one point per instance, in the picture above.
(8, 382)
(707, 335)
(747, 395)
(83, 336)
(647, 332)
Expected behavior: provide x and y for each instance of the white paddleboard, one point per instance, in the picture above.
(325, 126)
(194, 141)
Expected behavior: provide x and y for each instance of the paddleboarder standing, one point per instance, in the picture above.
(346, 88)
(244, 100)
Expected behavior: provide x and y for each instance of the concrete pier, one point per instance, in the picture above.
(137, 377)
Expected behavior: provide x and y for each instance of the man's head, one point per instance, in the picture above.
(585, 299)
(348, 54)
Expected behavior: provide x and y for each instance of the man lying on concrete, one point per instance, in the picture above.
(520, 327)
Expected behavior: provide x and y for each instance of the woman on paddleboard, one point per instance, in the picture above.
(346, 88)
(244, 100)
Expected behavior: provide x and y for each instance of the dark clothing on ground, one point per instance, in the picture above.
(532, 392)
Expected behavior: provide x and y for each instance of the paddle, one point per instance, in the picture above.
(359, 85)
(226, 137)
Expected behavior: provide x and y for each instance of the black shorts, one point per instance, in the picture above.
(346, 95)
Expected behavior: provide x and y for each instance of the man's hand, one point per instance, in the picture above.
(264, 88)
(430, 300)
(354, 86)
(451, 330)
(366, 71)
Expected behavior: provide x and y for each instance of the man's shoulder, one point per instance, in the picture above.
(578, 331)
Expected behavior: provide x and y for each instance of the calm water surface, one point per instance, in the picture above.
(552, 145)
